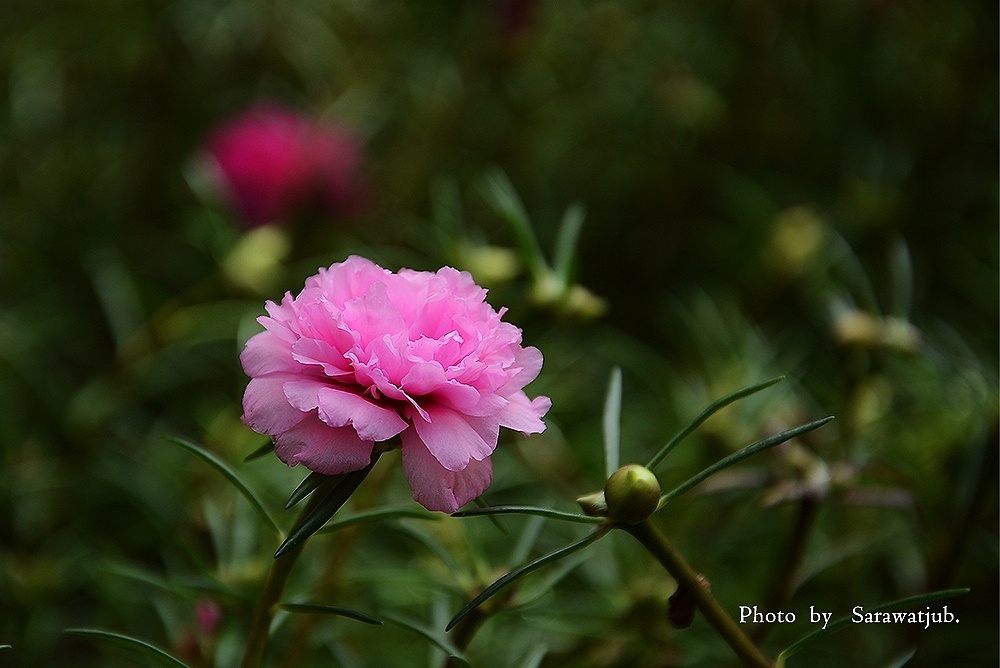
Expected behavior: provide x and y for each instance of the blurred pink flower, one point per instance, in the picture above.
(208, 613)
(363, 354)
(273, 162)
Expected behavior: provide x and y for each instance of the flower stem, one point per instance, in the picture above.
(281, 568)
(780, 590)
(661, 548)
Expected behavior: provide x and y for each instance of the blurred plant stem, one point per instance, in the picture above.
(328, 583)
(783, 578)
(281, 568)
(697, 588)
(465, 630)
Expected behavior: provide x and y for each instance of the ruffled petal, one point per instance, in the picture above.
(528, 362)
(339, 408)
(525, 415)
(435, 487)
(265, 408)
(322, 354)
(321, 448)
(347, 280)
(455, 439)
(373, 315)
(266, 353)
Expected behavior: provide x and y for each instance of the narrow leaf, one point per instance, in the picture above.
(6, 647)
(494, 520)
(317, 609)
(442, 643)
(184, 587)
(526, 541)
(534, 657)
(524, 570)
(529, 595)
(707, 413)
(529, 510)
(379, 515)
(569, 233)
(325, 509)
(308, 486)
(499, 193)
(430, 544)
(833, 627)
(230, 473)
(740, 455)
(142, 646)
(849, 269)
(611, 421)
(263, 450)
(902, 660)
(901, 279)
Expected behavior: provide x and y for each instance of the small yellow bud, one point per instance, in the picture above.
(632, 494)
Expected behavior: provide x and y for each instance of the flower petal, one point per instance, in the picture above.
(528, 362)
(456, 439)
(265, 408)
(373, 316)
(435, 487)
(324, 449)
(266, 353)
(339, 408)
(523, 414)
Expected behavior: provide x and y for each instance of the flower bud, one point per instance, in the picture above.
(593, 504)
(632, 494)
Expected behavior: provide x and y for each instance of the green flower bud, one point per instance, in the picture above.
(593, 504)
(632, 494)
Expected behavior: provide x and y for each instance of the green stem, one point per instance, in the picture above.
(661, 548)
(463, 632)
(780, 591)
(281, 568)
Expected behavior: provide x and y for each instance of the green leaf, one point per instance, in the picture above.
(534, 658)
(500, 195)
(494, 520)
(308, 486)
(263, 450)
(707, 413)
(901, 660)
(611, 421)
(317, 609)
(142, 646)
(442, 643)
(225, 469)
(6, 647)
(900, 280)
(334, 498)
(524, 570)
(379, 515)
(748, 451)
(526, 540)
(569, 233)
(536, 591)
(529, 510)
(430, 544)
(849, 270)
(187, 587)
(833, 627)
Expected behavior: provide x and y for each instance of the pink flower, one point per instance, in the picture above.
(362, 355)
(208, 613)
(273, 162)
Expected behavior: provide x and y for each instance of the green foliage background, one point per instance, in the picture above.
(754, 175)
